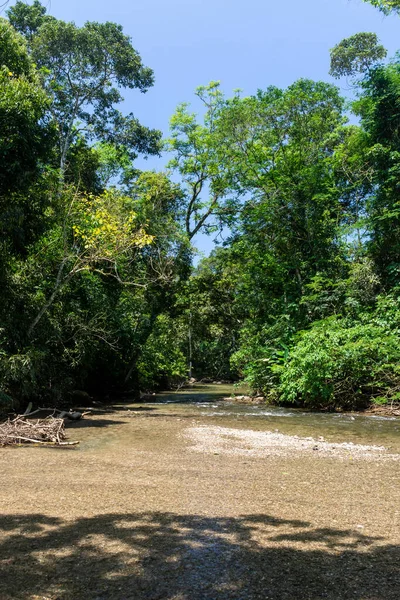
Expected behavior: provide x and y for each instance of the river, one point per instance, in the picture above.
(207, 401)
(192, 497)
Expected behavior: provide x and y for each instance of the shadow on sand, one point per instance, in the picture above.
(151, 556)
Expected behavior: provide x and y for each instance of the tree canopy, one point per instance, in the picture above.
(386, 6)
(99, 289)
(356, 54)
(83, 70)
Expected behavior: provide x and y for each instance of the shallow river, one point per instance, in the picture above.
(206, 402)
(187, 497)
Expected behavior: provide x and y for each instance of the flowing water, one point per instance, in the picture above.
(212, 407)
(187, 497)
(206, 403)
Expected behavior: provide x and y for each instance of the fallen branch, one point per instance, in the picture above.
(75, 416)
(25, 439)
(49, 431)
(29, 414)
(29, 408)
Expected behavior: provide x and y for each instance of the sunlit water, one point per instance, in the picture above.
(206, 403)
(212, 405)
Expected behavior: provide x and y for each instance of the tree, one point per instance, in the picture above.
(164, 265)
(97, 234)
(83, 70)
(282, 155)
(27, 18)
(210, 310)
(199, 160)
(25, 143)
(379, 109)
(23, 106)
(356, 54)
(274, 154)
(101, 250)
(386, 6)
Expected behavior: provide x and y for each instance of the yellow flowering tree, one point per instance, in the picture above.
(99, 234)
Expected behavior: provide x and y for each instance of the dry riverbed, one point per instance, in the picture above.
(167, 503)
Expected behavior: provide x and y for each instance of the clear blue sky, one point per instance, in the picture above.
(244, 44)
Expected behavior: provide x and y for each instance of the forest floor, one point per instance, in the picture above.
(154, 505)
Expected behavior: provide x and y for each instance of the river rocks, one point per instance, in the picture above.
(246, 399)
(214, 439)
(216, 381)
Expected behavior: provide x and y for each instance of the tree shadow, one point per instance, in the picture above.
(184, 557)
(87, 423)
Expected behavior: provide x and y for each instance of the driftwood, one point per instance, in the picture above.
(49, 431)
(62, 414)
(28, 409)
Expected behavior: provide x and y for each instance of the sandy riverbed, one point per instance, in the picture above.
(164, 506)
(268, 444)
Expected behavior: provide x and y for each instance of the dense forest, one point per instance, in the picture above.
(98, 288)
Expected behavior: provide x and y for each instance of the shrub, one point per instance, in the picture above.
(336, 364)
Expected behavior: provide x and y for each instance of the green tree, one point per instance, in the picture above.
(379, 109)
(274, 154)
(386, 6)
(200, 162)
(163, 266)
(27, 18)
(356, 54)
(25, 145)
(210, 312)
(283, 158)
(83, 71)
(85, 284)
(23, 107)
(347, 361)
(97, 234)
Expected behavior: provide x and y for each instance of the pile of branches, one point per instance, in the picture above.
(49, 431)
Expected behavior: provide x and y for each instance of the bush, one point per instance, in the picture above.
(162, 363)
(337, 364)
(262, 350)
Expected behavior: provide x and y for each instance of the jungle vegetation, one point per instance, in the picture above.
(98, 287)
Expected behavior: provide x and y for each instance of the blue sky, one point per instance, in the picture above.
(244, 44)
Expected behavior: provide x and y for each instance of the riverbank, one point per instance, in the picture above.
(139, 513)
(389, 409)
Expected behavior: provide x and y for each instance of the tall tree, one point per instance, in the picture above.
(23, 106)
(90, 283)
(83, 71)
(274, 154)
(25, 138)
(356, 55)
(200, 160)
(280, 145)
(379, 109)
